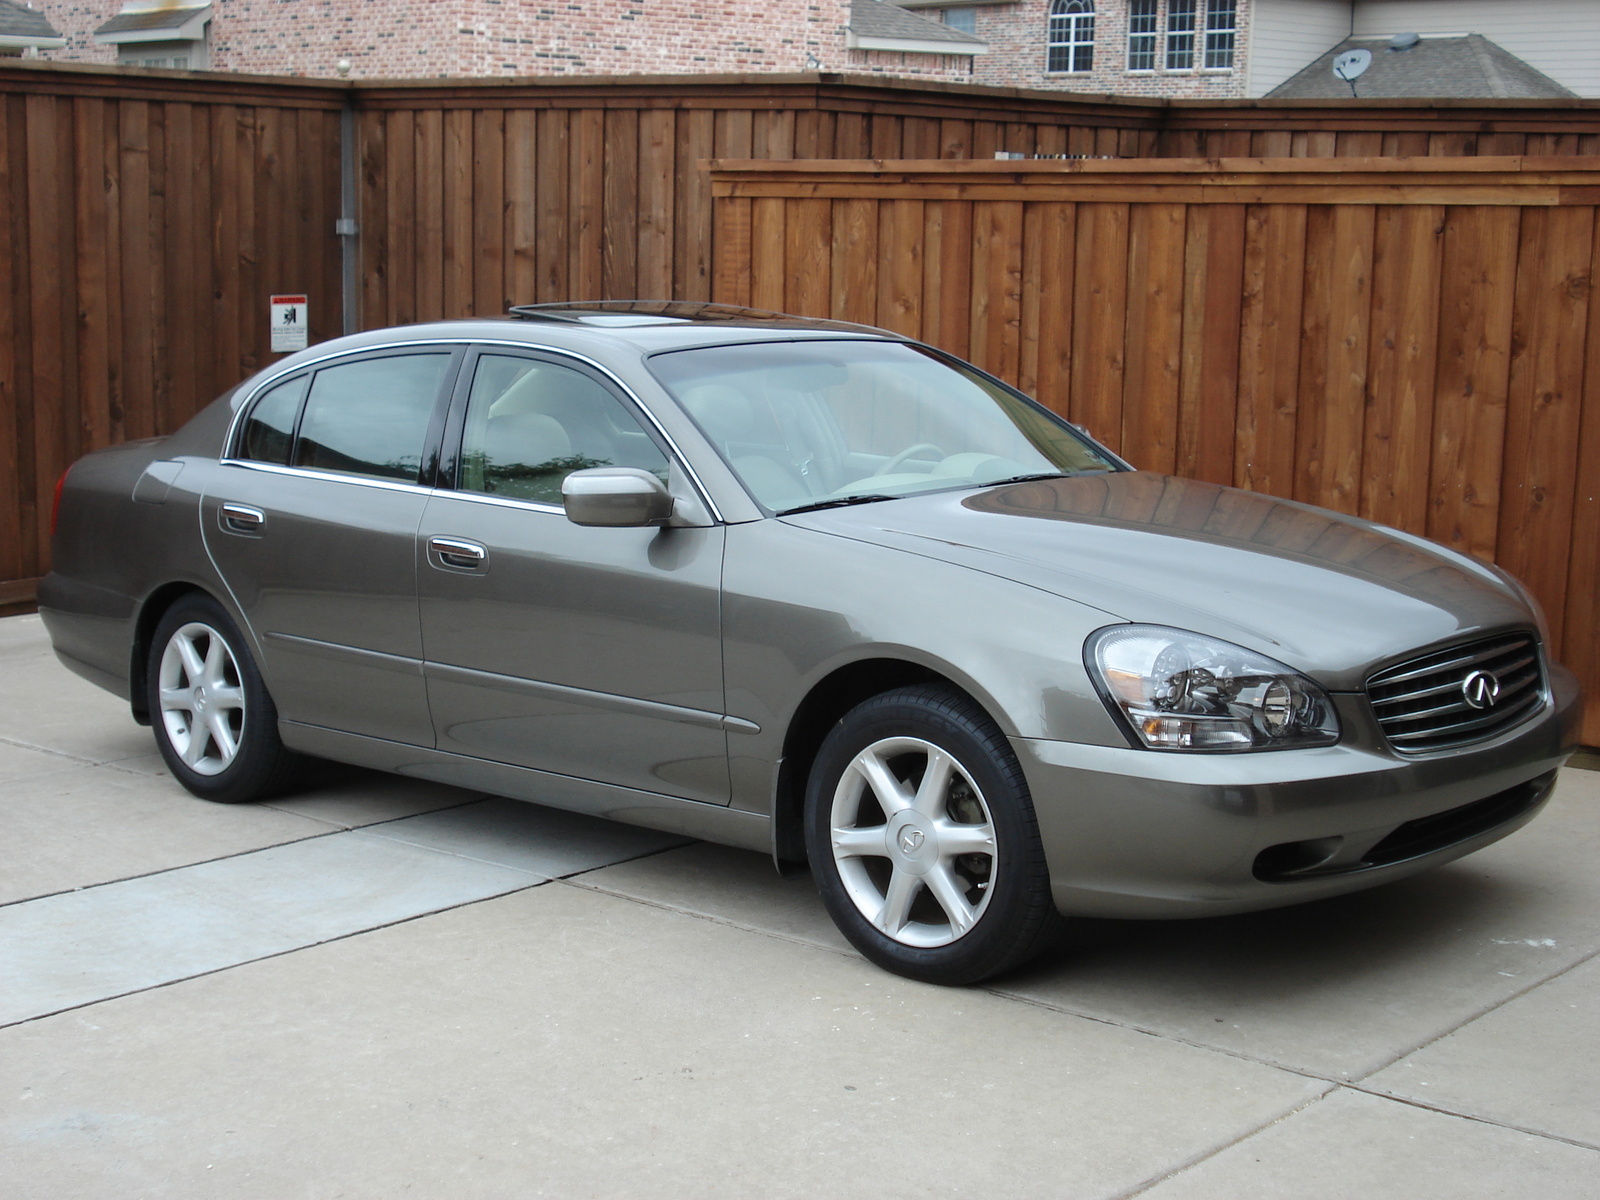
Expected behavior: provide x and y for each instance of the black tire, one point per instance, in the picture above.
(914, 889)
(217, 729)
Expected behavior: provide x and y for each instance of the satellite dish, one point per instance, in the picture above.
(1351, 63)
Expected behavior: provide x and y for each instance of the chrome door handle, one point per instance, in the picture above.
(241, 518)
(457, 554)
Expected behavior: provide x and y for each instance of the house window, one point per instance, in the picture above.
(1071, 36)
(1180, 35)
(964, 19)
(1220, 25)
(1142, 35)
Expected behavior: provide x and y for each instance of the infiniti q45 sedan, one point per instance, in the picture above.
(812, 589)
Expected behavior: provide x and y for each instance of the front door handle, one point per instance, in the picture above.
(457, 554)
(241, 518)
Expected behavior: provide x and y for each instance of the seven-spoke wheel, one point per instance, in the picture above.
(922, 838)
(214, 722)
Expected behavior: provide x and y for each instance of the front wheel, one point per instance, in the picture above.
(214, 722)
(923, 841)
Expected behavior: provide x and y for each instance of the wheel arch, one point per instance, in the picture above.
(155, 607)
(829, 699)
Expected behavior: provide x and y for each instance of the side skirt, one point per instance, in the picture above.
(710, 822)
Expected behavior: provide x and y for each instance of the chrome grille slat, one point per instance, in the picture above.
(1413, 705)
(1427, 666)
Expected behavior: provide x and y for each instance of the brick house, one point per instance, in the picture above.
(1169, 48)
(1247, 48)
(448, 38)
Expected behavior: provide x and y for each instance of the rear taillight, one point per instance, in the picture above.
(55, 506)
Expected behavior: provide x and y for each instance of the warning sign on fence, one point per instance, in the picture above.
(288, 323)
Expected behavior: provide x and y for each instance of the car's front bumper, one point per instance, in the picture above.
(1139, 833)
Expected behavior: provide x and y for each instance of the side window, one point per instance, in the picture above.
(531, 423)
(269, 430)
(371, 417)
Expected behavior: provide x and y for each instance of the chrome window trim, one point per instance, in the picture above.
(499, 501)
(676, 451)
(387, 485)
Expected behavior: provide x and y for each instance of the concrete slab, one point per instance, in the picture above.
(1343, 987)
(45, 705)
(735, 886)
(19, 762)
(1534, 1062)
(560, 1042)
(1351, 1146)
(89, 825)
(80, 947)
(351, 797)
(528, 837)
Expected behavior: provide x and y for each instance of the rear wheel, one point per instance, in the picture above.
(923, 841)
(214, 722)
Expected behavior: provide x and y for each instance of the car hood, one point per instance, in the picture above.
(1330, 595)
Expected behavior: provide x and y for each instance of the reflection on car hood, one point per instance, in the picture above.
(1328, 594)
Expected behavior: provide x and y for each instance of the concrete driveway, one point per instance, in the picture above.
(381, 988)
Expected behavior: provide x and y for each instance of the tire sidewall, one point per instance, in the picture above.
(1009, 920)
(259, 746)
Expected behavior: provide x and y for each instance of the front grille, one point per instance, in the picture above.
(1423, 705)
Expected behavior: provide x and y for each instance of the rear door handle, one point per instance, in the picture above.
(457, 554)
(241, 518)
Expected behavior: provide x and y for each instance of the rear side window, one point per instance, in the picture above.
(269, 433)
(371, 417)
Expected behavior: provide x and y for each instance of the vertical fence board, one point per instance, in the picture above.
(1400, 377)
(996, 305)
(488, 249)
(855, 261)
(1549, 343)
(428, 222)
(1272, 284)
(554, 220)
(619, 234)
(1100, 306)
(657, 197)
(586, 225)
(947, 275)
(1154, 349)
(1049, 263)
(900, 269)
(1477, 278)
(522, 209)
(692, 193)
(458, 252)
(1213, 303)
(767, 245)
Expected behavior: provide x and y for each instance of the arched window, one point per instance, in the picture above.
(1071, 36)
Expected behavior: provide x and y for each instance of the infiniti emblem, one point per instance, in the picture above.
(1480, 689)
(911, 840)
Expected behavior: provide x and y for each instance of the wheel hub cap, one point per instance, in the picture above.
(911, 842)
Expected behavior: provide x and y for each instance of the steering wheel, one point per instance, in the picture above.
(889, 467)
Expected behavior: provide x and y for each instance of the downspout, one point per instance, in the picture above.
(346, 227)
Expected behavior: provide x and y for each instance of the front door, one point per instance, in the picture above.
(594, 653)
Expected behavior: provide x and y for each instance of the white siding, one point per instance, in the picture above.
(1285, 35)
(1559, 37)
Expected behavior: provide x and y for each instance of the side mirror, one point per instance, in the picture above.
(616, 497)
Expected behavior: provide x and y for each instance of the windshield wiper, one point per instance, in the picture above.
(1027, 478)
(836, 502)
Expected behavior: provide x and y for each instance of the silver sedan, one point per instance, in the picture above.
(813, 589)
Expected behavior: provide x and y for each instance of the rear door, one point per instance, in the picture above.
(589, 652)
(312, 522)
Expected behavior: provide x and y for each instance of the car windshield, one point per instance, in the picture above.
(812, 424)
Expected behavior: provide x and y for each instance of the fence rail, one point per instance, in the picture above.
(1414, 343)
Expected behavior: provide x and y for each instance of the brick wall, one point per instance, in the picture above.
(1018, 36)
(444, 38)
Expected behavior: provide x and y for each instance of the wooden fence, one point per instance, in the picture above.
(146, 221)
(148, 215)
(1413, 341)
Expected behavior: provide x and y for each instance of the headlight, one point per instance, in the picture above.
(1182, 691)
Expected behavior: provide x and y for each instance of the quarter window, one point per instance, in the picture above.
(531, 423)
(1071, 36)
(269, 432)
(371, 417)
(1142, 35)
